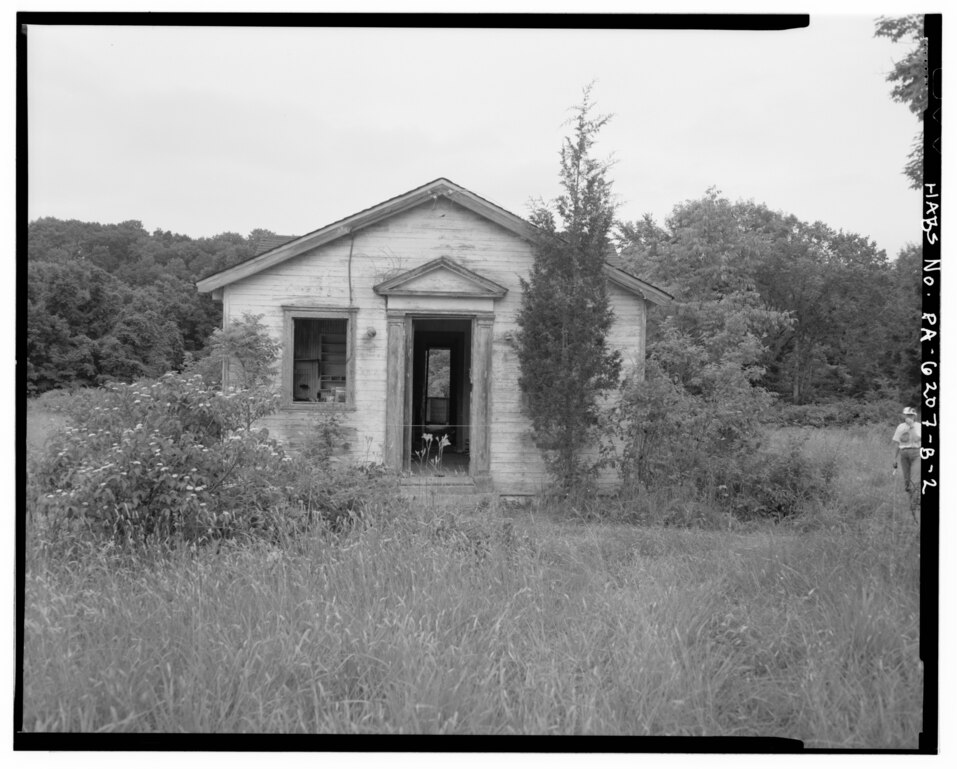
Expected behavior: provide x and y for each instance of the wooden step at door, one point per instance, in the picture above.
(433, 488)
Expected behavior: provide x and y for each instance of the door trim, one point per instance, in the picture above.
(399, 389)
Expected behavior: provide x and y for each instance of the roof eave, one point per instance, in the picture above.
(637, 286)
(271, 258)
(438, 188)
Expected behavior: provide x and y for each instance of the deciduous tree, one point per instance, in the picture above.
(909, 77)
(825, 282)
(114, 302)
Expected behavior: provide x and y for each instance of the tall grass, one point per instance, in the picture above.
(495, 622)
(866, 487)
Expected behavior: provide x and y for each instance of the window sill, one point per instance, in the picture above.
(322, 406)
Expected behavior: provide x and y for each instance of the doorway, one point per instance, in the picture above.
(439, 398)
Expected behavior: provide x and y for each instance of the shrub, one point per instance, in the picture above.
(172, 460)
(326, 438)
(332, 494)
(694, 458)
(776, 483)
(247, 353)
(155, 460)
(674, 437)
(835, 413)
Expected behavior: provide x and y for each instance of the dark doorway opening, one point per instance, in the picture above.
(440, 395)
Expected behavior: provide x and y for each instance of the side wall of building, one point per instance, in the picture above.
(517, 465)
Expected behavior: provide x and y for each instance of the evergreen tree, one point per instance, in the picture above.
(566, 364)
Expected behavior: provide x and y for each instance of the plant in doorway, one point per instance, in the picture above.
(423, 453)
(437, 462)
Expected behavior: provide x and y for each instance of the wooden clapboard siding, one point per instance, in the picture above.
(373, 254)
(516, 465)
(627, 334)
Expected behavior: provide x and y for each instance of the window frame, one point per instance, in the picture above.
(290, 315)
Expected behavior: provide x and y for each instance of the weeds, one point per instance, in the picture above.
(168, 462)
(562, 617)
(452, 624)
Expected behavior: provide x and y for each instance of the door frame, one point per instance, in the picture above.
(398, 432)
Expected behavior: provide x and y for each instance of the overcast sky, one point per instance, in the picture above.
(205, 130)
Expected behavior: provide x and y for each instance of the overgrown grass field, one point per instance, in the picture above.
(504, 621)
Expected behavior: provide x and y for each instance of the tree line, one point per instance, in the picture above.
(112, 302)
(115, 303)
(839, 320)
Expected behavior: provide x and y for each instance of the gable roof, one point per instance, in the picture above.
(635, 285)
(440, 187)
(269, 242)
(434, 189)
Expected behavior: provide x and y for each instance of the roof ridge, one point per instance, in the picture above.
(384, 209)
(456, 188)
(385, 202)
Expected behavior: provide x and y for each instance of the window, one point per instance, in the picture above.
(438, 382)
(318, 355)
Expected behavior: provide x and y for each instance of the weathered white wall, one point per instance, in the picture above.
(323, 277)
(517, 466)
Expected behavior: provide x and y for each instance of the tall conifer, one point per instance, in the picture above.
(565, 316)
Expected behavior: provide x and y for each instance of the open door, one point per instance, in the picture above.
(439, 399)
(409, 415)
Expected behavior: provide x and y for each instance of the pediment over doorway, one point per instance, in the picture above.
(441, 277)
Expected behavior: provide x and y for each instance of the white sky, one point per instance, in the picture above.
(204, 130)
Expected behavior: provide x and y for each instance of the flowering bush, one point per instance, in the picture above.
(176, 459)
(158, 460)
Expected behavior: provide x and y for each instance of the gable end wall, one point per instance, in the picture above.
(322, 278)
